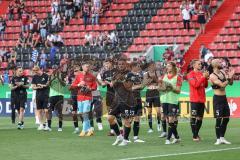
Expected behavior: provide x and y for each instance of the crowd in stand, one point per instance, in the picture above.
(201, 8)
(101, 39)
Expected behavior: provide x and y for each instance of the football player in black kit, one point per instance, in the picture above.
(152, 94)
(40, 83)
(19, 85)
(106, 80)
(220, 79)
(137, 78)
(123, 102)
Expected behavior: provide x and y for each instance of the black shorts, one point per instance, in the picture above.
(138, 108)
(123, 110)
(220, 106)
(170, 109)
(96, 106)
(109, 98)
(55, 102)
(19, 101)
(42, 102)
(153, 98)
(96, 102)
(197, 109)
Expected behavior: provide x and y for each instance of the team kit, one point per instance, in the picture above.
(124, 82)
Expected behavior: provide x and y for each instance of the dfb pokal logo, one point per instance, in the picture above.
(233, 106)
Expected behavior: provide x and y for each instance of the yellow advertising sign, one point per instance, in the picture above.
(185, 107)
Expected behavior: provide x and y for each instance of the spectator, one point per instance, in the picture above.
(96, 11)
(179, 59)
(7, 56)
(201, 19)
(11, 11)
(33, 24)
(43, 29)
(64, 62)
(88, 39)
(95, 15)
(35, 39)
(69, 9)
(43, 60)
(2, 28)
(23, 39)
(78, 5)
(206, 7)
(186, 18)
(113, 39)
(192, 8)
(13, 57)
(63, 20)
(106, 39)
(86, 13)
(56, 20)
(2, 53)
(25, 18)
(34, 56)
(208, 55)
(203, 51)
(183, 5)
(5, 77)
(49, 41)
(168, 55)
(53, 52)
(57, 40)
(21, 7)
(54, 6)
(238, 45)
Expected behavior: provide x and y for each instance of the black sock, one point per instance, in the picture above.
(115, 128)
(99, 120)
(49, 123)
(164, 125)
(119, 121)
(158, 119)
(218, 127)
(175, 132)
(75, 124)
(13, 116)
(126, 132)
(224, 126)
(193, 127)
(136, 127)
(150, 121)
(22, 123)
(60, 124)
(170, 130)
(91, 123)
(198, 126)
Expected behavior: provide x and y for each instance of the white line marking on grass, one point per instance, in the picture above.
(184, 153)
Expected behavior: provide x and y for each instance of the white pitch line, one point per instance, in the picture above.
(184, 153)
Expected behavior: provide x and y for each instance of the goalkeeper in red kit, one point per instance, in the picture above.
(198, 81)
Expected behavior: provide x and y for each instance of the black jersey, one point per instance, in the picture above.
(43, 79)
(22, 80)
(123, 95)
(137, 80)
(108, 76)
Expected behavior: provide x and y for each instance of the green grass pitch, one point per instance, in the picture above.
(30, 144)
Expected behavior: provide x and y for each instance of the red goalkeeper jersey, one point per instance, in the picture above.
(90, 81)
(197, 84)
